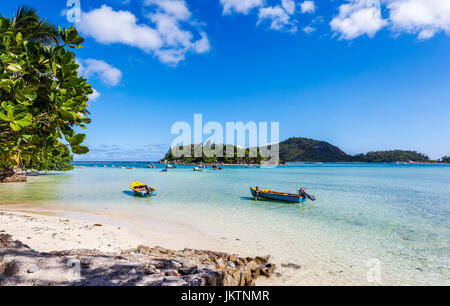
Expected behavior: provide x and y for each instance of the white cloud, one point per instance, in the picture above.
(289, 6)
(358, 17)
(170, 37)
(99, 69)
(308, 7)
(308, 29)
(279, 18)
(422, 17)
(363, 17)
(176, 8)
(94, 96)
(240, 6)
(108, 26)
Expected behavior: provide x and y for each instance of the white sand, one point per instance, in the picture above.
(52, 230)
(46, 233)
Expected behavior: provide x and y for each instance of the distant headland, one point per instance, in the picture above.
(297, 149)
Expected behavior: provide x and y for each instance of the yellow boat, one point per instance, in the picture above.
(142, 190)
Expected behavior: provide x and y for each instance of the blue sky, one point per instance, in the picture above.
(361, 74)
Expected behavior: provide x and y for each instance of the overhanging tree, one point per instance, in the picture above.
(42, 98)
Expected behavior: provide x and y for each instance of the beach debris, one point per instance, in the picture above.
(291, 266)
(12, 268)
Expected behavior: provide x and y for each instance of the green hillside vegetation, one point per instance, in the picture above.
(169, 157)
(392, 156)
(310, 150)
(306, 150)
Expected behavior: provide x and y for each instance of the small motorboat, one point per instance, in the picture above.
(199, 169)
(253, 166)
(142, 190)
(299, 197)
(171, 167)
(131, 168)
(151, 166)
(164, 170)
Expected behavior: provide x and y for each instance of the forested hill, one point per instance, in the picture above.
(305, 149)
(310, 150)
(391, 156)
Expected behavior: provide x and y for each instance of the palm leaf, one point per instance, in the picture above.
(28, 22)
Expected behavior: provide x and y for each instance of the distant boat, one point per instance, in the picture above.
(164, 170)
(131, 168)
(142, 190)
(301, 197)
(171, 167)
(151, 166)
(252, 166)
(199, 169)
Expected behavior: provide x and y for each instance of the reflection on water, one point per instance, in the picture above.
(38, 189)
(398, 214)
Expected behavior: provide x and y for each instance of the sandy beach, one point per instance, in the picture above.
(45, 230)
(46, 233)
(43, 249)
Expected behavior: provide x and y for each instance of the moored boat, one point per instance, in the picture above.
(253, 166)
(300, 197)
(199, 169)
(142, 190)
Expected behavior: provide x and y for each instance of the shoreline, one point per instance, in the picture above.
(42, 232)
(118, 234)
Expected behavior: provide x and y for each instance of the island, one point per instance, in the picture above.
(298, 149)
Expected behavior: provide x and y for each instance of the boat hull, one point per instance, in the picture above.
(141, 194)
(139, 190)
(277, 196)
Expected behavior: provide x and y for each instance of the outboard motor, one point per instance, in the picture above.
(302, 192)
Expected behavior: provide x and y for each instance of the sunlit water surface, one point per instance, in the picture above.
(397, 215)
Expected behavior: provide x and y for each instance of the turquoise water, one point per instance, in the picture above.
(397, 214)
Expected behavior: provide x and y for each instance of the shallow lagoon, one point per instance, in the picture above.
(397, 215)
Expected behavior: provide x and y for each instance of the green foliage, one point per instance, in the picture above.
(445, 159)
(310, 150)
(391, 156)
(32, 28)
(240, 156)
(58, 160)
(305, 150)
(42, 98)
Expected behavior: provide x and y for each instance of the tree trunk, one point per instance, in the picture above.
(12, 175)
